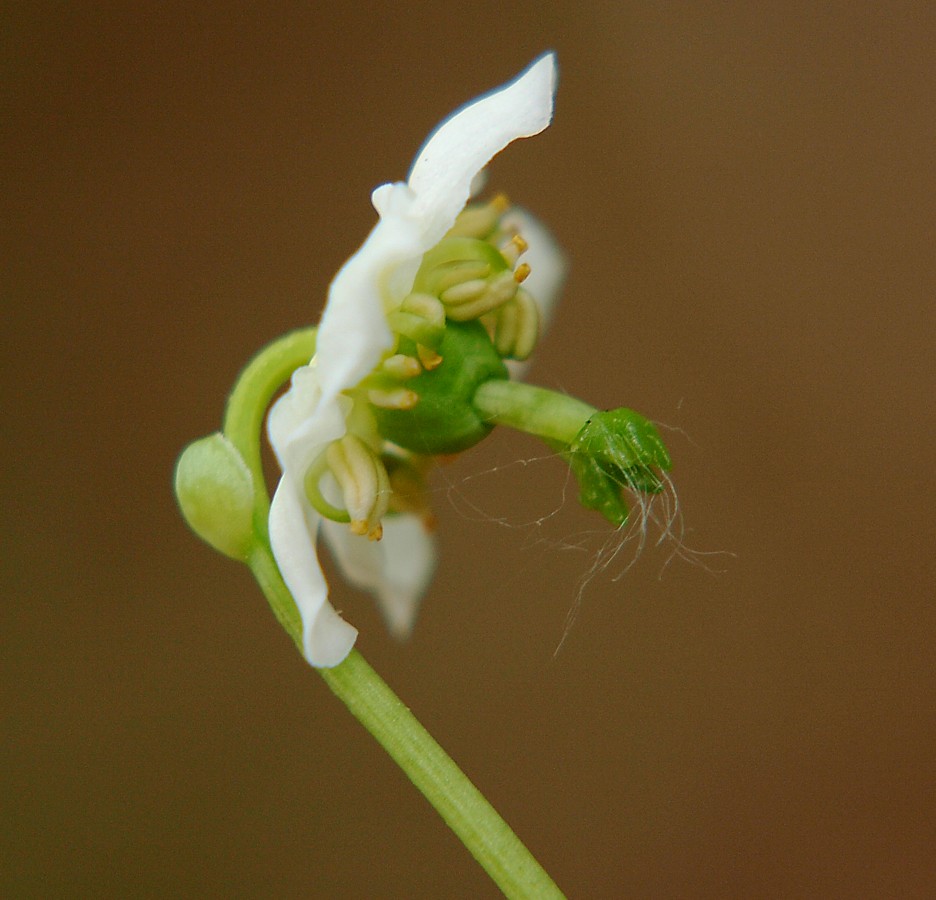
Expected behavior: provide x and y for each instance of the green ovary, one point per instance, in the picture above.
(444, 420)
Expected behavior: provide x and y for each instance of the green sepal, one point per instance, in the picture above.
(215, 491)
(444, 420)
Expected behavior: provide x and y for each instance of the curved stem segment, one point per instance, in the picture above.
(486, 835)
(535, 410)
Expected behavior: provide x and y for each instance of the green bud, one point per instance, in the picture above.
(216, 493)
(623, 440)
(615, 450)
(444, 420)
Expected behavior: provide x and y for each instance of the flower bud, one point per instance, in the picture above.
(215, 491)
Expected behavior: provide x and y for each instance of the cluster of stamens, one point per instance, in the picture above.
(473, 273)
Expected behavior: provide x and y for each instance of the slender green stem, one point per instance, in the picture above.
(535, 410)
(462, 806)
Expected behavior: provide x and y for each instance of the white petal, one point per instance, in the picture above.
(463, 144)
(300, 424)
(300, 427)
(396, 569)
(353, 334)
(327, 638)
(548, 267)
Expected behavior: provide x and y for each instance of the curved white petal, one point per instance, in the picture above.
(463, 144)
(327, 639)
(300, 427)
(395, 569)
(353, 334)
(413, 218)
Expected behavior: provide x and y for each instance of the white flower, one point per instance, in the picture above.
(353, 339)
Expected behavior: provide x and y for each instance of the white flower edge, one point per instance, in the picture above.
(351, 340)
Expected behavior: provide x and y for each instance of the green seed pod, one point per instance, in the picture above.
(444, 420)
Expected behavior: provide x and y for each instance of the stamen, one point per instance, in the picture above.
(462, 293)
(421, 318)
(364, 484)
(401, 366)
(428, 357)
(399, 398)
(449, 275)
(513, 248)
(314, 492)
(499, 290)
(479, 219)
(426, 306)
(506, 325)
(522, 272)
(528, 325)
(517, 328)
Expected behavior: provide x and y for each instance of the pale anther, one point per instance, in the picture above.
(428, 357)
(457, 273)
(401, 366)
(400, 398)
(462, 293)
(512, 250)
(365, 486)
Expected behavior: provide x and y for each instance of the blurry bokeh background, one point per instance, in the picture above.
(747, 197)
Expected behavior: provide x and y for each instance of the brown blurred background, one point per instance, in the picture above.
(747, 197)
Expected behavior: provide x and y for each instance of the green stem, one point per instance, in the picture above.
(462, 806)
(263, 376)
(535, 410)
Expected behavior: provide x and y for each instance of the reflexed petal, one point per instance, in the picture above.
(464, 143)
(327, 638)
(414, 217)
(300, 426)
(395, 569)
(354, 333)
